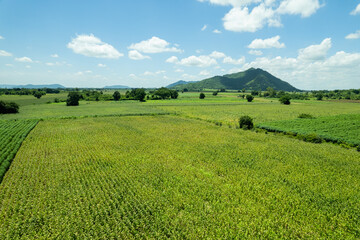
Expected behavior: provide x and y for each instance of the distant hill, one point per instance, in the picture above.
(31, 86)
(251, 79)
(179, 83)
(116, 87)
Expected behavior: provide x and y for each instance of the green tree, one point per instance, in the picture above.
(73, 99)
(249, 98)
(39, 94)
(246, 122)
(163, 93)
(174, 94)
(8, 107)
(271, 92)
(215, 93)
(116, 96)
(285, 99)
(202, 96)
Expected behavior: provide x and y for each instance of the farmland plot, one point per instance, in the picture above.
(12, 133)
(168, 177)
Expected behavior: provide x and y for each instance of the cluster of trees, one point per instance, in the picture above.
(8, 107)
(351, 94)
(164, 93)
(26, 91)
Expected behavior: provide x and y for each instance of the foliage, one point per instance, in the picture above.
(39, 94)
(73, 99)
(249, 98)
(341, 128)
(285, 99)
(116, 95)
(246, 122)
(165, 93)
(202, 96)
(176, 178)
(305, 115)
(8, 107)
(136, 94)
(12, 133)
(215, 93)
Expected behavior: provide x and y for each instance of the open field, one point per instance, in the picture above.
(26, 100)
(169, 177)
(12, 133)
(341, 128)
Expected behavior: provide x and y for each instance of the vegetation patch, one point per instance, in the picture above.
(12, 134)
(338, 129)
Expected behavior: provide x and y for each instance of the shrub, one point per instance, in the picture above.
(285, 99)
(312, 137)
(246, 122)
(249, 98)
(8, 107)
(73, 99)
(305, 115)
(202, 96)
(116, 95)
(215, 93)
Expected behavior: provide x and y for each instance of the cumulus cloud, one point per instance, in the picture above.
(172, 59)
(216, 54)
(9, 65)
(266, 43)
(197, 61)
(101, 65)
(356, 10)
(5, 53)
(204, 73)
(305, 8)
(91, 46)
(355, 35)
(235, 3)
(135, 55)
(24, 59)
(256, 52)
(315, 52)
(153, 45)
(1, 37)
(230, 60)
(242, 20)
(54, 55)
(217, 31)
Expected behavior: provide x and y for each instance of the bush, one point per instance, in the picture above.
(246, 122)
(249, 98)
(215, 93)
(73, 99)
(202, 96)
(312, 137)
(116, 95)
(285, 99)
(8, 107)
(305, 115)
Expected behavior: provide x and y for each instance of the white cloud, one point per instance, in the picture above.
(91, 46)
(135, 55)
(217, 31)
(1, 38)
(101, 65)
(355, 35)
(197, 61)
(5, 53)
(148, 73)
(241, 20)
(9, 65)
(54, 55)
(235, 3)
(204, 28)
(266, 43)
(50, 64)
(24, 59)
(153, 45)
(179, 70)
(305, 8)
(216, 54)
(204, 73)
(356, 10)
(28, 66)
(256, 52)
(315, 52)
(172, 59)
(230, 60)
(132, 75)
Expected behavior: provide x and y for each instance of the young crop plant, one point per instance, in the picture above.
(12, 133)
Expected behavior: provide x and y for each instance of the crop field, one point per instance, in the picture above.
(157, 177)
(31, 100)
(12, 133)
(85, 109)
(341, 128)
(261, 111)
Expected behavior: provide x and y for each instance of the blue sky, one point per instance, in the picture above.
(312, 44)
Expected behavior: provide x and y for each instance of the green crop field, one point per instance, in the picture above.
(158, 177)
(31, 100)
(12, 133)
(341, 128)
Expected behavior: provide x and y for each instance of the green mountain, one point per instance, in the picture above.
(251, 79)
(179, 83)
